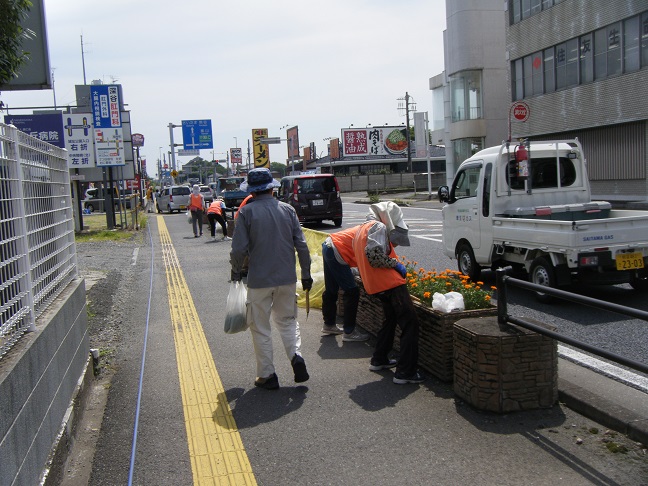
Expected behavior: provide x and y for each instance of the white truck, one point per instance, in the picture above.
(528, 205)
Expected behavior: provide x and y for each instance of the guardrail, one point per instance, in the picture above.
(37, 248)
(502, 316)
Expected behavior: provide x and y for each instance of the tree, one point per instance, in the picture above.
(12, 34)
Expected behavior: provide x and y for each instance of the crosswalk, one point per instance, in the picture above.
(420, 228)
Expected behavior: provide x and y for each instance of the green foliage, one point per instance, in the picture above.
(278, 167)
(424, 284)
(12, 12)
(374, 197)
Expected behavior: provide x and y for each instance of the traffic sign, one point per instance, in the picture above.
(197, 134)
(521, 111)
(267, 140)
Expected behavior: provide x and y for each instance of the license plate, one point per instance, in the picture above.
(629, 261)
(318, 202)
(183, 207)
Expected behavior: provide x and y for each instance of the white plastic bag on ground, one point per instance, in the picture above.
(452, 301)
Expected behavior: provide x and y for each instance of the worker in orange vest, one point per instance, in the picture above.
(196, 206)
(215, 213)
(383, 275)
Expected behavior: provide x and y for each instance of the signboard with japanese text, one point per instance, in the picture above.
(79, 137)
(47, 127)
(197, 134)
(106, 117)
(236, 155)
(292, 139)
(261, 152)
(377, 142)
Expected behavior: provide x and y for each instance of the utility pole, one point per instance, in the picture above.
(407, 125)
(83, 61)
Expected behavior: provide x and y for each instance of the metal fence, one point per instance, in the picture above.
(37, 249)
(504, 280)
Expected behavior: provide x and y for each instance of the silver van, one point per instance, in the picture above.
(173, 198)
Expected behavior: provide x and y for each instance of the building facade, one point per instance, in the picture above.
(582, 68)
(470, 98)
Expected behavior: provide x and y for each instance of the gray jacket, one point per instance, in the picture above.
(268, 231)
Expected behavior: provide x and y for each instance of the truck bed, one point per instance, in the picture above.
(620, 229)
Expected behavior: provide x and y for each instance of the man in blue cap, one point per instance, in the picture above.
(268, 232)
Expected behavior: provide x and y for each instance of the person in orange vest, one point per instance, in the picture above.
(215, 213)
(384, 276)
(338, 258)
(243, 203)
(196, 206)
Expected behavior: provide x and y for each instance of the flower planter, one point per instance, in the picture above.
(435, 334)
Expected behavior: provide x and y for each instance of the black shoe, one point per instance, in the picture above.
(377, 365)
(269, 383)
(299, 367)
(401, 378)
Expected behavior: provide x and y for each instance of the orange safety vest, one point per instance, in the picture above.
(243, 203)
(197, 202)
(375, 280)
(215, 207)
(343, 242)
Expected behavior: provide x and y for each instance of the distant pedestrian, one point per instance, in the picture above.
(214, 214)
(338, 258)
(149, 200)
(268, 231)
(196, 206)
(384, 276)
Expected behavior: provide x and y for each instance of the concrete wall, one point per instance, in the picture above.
(38, 378)
(381, 182)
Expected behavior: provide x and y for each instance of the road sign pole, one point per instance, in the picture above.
(173, 159)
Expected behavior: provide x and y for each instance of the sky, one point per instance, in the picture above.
(321, 66)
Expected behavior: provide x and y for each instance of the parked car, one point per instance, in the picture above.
(173, 198)
(207, 193)
(315, 197)
(95, 199)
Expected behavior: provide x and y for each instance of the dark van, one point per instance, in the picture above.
(315, 197)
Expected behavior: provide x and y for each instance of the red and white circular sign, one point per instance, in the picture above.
(521, 111)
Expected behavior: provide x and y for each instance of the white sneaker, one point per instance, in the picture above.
(332, 329)
(226, 238)
(356, 335)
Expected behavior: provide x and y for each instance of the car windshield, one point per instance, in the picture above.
(316, 185)
(205, 189)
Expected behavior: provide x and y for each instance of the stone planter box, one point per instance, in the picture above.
(435, 336)
(504, 368)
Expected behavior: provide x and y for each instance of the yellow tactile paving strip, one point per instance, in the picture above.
(215, 447)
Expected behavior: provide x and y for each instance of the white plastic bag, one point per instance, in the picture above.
(189, 217)
(452, 301)
(236, 310)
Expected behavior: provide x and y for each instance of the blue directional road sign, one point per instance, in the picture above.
(197, 134)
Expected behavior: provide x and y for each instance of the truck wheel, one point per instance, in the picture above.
(90, 207)
(639, 283)
(543, 273)
(337, 222)
(467, 263)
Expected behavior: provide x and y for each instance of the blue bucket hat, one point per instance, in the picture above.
(259, 180)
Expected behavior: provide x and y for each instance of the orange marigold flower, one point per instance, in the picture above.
(426, 295)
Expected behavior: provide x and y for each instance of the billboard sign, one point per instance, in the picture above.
(197, 134)
(236, 155)
(79, 137)
(261, 152)
(46, 127)
(377, 142)
(108, 133)
(292, 139)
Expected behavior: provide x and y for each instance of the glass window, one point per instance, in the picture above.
(571, 62)
(631, 45)
(535, 6)
(518, 88)
(586, 59)
(547, 4)
(515, 11)
(549, 71)
(644, 40)
(526, 9)
(466, 183)
(561, 57)
(465, 89)
(536, 65)
(614, 49)
(528, 77)
(600, 54)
